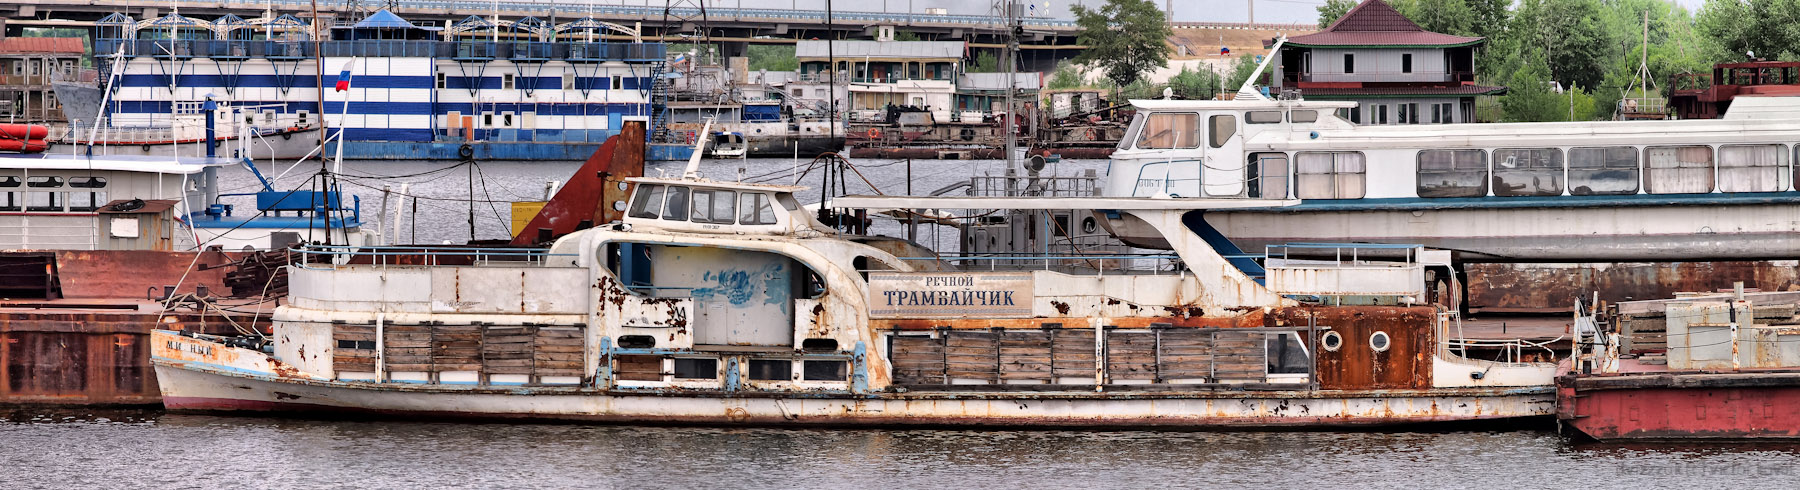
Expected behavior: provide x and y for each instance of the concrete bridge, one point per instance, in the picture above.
(1047, 40)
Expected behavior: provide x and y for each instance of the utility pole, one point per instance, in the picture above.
(1012, 48)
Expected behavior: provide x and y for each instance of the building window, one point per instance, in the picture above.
(1406, 63)
(1381, 115)
(506, 82)
(568, 81)
(1678, 169)
(1412, 111)
(1597, 171)
(487, 119)
(799, 92)
(1349, 63)
(1272, 174)
(1752, 168)
(1400, 114)
(1330, 175)
(1444, 109)
(442, 80)
(1452, 173)
(506, 119)
(1356, 115)
(1223, 128)
(1528, 172)
(618, 82)
(1170, 130)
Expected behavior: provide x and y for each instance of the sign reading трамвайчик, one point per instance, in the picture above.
(949, 294)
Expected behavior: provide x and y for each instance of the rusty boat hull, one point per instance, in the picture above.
(198, 375)
(1682, 405)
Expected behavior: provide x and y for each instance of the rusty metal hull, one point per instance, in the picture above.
(200, 375)
(1749, 405)
(1534, 288)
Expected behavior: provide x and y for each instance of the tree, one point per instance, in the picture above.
(1529, 97)
(984, 62)
(1066, 76)
(771, 57)
(1333, 10)
(1453, 17)
(1241, 69)
(1568, 34)
(1739, 27)
(1191, 84)
(1124, 38)
(1490, 17)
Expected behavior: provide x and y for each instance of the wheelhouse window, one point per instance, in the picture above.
(1303, 116)
(1603, 171)
(1330, 175)
(1262, 117)
(715, 206)
(1453, 173)
(648, 201)
(678, 204)
(1753, 168)
(1528, 172)
(1678, 169)
(1169, 131)
(1224, 127)
(754, 209)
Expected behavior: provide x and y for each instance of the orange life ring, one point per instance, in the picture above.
(1090, 134)
(874, 133)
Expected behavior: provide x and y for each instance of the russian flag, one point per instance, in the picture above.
(343, 82)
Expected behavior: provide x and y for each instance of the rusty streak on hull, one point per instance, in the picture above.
(1501, 288)
(86, 357)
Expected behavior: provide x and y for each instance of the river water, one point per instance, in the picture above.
(134, 449)
(65, 448)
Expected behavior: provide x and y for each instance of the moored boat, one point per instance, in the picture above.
(728, 303)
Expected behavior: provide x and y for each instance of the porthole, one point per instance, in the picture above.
(1088, 225)
(1379, 341)
(1332, 341)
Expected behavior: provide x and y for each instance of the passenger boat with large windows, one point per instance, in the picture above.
(700, 301)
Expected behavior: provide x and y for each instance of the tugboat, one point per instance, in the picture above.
(725, 303)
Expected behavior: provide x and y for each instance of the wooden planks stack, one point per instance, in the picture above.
(354, 348)
(557, 351)
(507, 350)
(407, 348)
(638, 368)
(1131, 355)
(1056, 356)
(455, 348)
(1239, 355)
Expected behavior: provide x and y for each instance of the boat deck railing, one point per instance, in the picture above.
(1074, 264)
(335, 256)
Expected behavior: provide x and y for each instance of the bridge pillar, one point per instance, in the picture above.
(734, 49)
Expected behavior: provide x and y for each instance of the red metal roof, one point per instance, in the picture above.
(1458, 90)
(1375, 23)
(39, 45)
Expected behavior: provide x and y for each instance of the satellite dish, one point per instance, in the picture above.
(1035, 164)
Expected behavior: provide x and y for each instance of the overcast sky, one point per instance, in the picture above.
(1185, 10)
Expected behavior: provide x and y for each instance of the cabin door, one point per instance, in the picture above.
(1223, 175)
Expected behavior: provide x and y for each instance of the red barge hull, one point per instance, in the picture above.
(1682, 405)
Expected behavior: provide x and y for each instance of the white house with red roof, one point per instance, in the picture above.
(1398, 72)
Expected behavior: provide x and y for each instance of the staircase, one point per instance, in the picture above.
(659, 104)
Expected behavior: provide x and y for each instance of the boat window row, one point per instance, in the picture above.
(1507, 172)
(1184, 130)
(44, 194)
(710, 206)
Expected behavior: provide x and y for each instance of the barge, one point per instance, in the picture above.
(727, 303)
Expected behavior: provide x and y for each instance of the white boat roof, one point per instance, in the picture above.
(118, 163)
(1110, 203)
(1176, 105)
(742, 186)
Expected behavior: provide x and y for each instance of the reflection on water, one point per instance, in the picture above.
(117, 449)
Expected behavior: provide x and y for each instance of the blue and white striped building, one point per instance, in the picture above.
(518, 90)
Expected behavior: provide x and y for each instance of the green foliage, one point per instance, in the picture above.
(1489, 17)
(1191, 84)
(984, 62)
(1529, 97)
(1452, 17)
(1067, 75)
(1765, 27)
(1124, 38)
(1241, 70)
(1332, 10)
(907, 36)
(772, 57)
